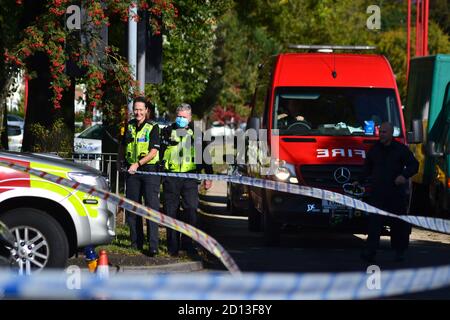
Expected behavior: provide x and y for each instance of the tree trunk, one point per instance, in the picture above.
(40, 109)
(68, 111)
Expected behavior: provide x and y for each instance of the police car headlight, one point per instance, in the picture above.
(89, 179)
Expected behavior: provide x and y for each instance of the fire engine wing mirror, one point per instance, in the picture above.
(254, 123)
(416, 135)
(432, 150)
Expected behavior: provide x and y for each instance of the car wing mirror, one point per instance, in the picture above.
(432, 149)
(254, 123)
(416, 135)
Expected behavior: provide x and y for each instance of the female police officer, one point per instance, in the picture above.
(141, 144)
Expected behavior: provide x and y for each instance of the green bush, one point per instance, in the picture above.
(57, 139)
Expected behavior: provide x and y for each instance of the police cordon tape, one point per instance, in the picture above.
(219, 286)
(430, 223)
(201, 237)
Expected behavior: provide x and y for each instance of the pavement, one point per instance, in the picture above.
(141, 264)
(181, 267)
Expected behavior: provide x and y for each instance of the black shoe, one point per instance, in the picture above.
(173, 254)
(152, 252)
(193, 254)
(368, 256)
(136, 247)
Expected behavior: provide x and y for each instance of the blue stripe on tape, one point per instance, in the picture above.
(423, 221)
(432, 223)
(213, 284)
(384, 288)
(258, 280)
(433, 275)
(411, 281)
(415, 220)
(291, 292)
(329, 286)
(359, 287)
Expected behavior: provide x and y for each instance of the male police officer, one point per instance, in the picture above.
(180, 153)
(141, 141)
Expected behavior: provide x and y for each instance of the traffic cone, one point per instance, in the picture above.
(102, 267)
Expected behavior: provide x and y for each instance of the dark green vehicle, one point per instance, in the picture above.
(429, 100)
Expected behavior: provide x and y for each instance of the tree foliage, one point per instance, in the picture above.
(239, 49)
(225, 116)
(256, 29)
(188, 53)
(51, 53)
(48, 34)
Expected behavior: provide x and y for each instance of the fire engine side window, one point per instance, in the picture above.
(262, 93)
(440, 131)
(419, 95)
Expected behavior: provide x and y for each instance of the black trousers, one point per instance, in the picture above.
(139, 185)
(187, 190)
(400, 230)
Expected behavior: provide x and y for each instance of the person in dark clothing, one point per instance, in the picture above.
(389, 164)
(139, 150)
(180, 148)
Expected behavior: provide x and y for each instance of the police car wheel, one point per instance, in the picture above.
(40, 240)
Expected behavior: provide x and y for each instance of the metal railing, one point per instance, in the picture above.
(106, 163)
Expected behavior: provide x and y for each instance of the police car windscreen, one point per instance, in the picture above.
(317, 111)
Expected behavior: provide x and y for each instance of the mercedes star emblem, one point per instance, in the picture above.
(342, 175)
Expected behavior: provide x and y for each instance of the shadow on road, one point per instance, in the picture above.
(303, 250)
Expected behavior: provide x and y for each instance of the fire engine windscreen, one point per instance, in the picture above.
(313, 111)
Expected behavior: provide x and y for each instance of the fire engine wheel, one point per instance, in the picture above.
(231, 208)
(441, 208)
(271, 230)
(254, 219)
(40, 240)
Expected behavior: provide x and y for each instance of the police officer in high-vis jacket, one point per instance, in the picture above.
(180, 151)
(140, 150)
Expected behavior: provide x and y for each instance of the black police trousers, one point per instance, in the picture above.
(175, 189)
(138, 185)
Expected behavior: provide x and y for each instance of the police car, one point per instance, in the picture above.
(51, 222)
